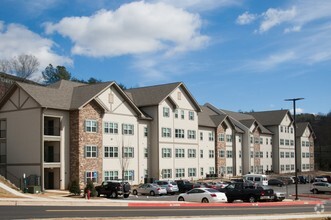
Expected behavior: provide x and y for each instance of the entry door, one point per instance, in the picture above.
(50, 180)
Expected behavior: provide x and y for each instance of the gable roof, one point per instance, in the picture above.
(270, 118)
(154, 95)
(301, 127)
(68, 95)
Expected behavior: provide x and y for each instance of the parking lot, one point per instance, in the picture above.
(303, 189)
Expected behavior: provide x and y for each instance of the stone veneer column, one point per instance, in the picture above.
(257, 148)
(311, 152)
(220, 145)
(79, 139)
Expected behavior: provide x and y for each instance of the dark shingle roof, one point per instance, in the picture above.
(154, 95)
(209, 118)
(301, 127)
(269, 118)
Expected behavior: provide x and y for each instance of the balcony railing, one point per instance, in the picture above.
(52, 159)
(52, 131)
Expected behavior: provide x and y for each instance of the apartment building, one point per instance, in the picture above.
(280, 123)
(305, 146)
(72, 131)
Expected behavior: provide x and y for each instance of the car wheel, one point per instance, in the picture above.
(205, 200)
(181, 199)
(315, 191)
(152, 193)
(135, 192)
(251, 199)
(114, 194)
(126, 195)
(230, 201)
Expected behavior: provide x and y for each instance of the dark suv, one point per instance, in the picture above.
(114, 189)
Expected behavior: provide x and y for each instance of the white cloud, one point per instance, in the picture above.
(292, 29)
(12, 44)
(134, 28)
(246, 18)
(297, 111)
(273, 17)
(200, 5)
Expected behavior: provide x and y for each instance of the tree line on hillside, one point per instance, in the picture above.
(25, 65)
(321, 125)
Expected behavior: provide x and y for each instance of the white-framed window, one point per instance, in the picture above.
(191, 115)
(229, 153)
(303, 155)
(287, 154)
(281, 141)
(166, 173)
(110, 127)
(307, 155)
(166, 112)
(166, 132)
(201, 136)
(257, 154)
(191, 153)
(267, 141)
(282, 167)
(261, 154)
(229, 138)
(292, 154)
(211, 136)
(180, 153)
(192, 172)
(129, 175)
(303, 166)
(291, 130)
(307, 143)
(179, 133)
(145, 131)
(211, 154)
(182, 114)
(166, 152)
(303, 143)
(292, 143)
(91, 126)
(91, 175)
(287, 142)
(110, 175)
(128, 129)
(201, 153)
(252, 154)
(251, 140)
(292, 166)
(240, 169)
(281, 128)
(239, 139)
(261, 140)
(221, 137)
(281, 154)
(180, 172)
(176, 113)
(191, 134)
(110, 152)
(221, 153)
(128, 152)
(240, 154)
(270, 141)
(256, 140)
(229, 170)
(287, 167)
(91, 151)
(201, 171)
(145, 152)
(211, 170)
(267, 154)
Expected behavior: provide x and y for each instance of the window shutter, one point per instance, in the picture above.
(97, 151)
(84, 151)
(85, 179)
(122, 128)
(132, 129)
(85, 125)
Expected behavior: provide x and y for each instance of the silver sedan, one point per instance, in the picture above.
(150, 189)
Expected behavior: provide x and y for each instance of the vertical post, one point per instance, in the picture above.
(295, 145)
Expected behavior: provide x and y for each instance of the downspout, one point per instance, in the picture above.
(42, 142)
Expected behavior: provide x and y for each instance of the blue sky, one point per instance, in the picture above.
(235, 54)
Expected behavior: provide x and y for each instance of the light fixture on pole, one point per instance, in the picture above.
(295, 145)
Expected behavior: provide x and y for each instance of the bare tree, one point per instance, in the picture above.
(24, 65)
(124, 158)
(4, 66)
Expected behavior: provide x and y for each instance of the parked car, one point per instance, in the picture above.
(185, 185)
(204, 195)
(150, 189)
(286, 179)
(320, 179)
(171, 186)
(277, 197)
(260, 179)
(328, 177)
(318, 187)
(275, 182)
(247, 192)
(303, 179)
(114, 189)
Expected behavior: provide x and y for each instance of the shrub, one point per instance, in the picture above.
(74, 187)
(90, 186)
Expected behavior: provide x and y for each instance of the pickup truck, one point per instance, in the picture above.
(114, 189)
(185, 185)
(247, 192)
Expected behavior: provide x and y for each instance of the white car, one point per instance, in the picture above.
(150, 189)
(204, 195)
(320, 187)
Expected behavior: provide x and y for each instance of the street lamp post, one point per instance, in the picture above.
(295, 145)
